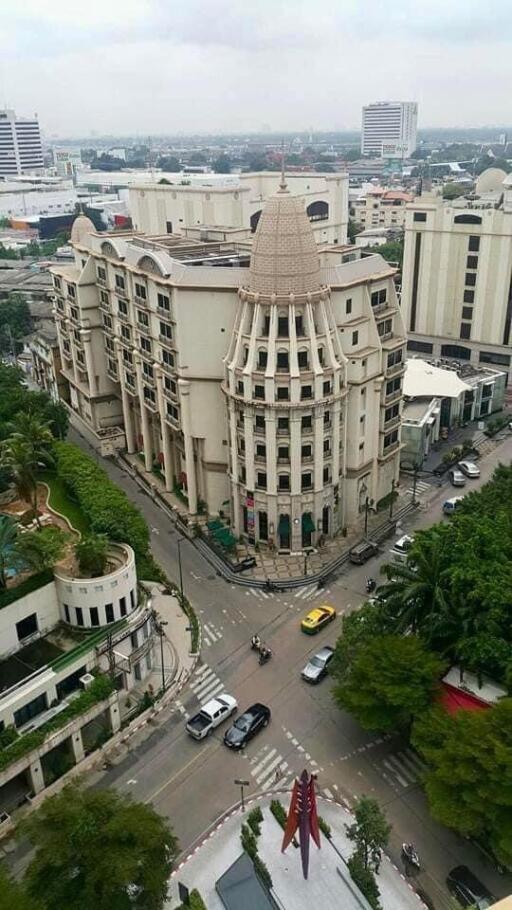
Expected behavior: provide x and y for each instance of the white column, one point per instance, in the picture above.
(89, 362)
(125, 400)
(78, 746)
(115, 716)
(36, 776)
(146, 432)
(166, 444)
(186, 425)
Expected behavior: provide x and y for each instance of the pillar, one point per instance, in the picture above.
(146, 431)
(36, 776)
(166, 444)
(127, 413)
(186, 425)
(115, 715)
(78, 746)
(89, 362)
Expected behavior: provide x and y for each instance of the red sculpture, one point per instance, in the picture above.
(302, 815)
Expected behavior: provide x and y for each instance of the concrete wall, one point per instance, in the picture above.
(84, 593)
(43, 602)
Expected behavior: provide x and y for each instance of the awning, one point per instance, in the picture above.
(214, 524)
(220, 533)
(284, 525)
(307, 522)
(227, 541)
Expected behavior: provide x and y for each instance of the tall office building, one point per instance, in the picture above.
(21, 151)
(389, 129)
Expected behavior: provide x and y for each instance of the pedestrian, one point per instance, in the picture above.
(278, 775)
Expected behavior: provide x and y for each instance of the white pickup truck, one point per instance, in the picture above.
(211, 715)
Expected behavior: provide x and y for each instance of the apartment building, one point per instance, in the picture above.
(21, 151)
(378, 207)
(236, 201)
(271, 380)
(389, 129)
(457, 278)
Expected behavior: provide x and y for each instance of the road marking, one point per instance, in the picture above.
(171, 780)
(264, 761)
(389, 765)
(328, 793)
(268, 770)
(210, 691)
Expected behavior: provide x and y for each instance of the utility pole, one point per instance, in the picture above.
(158, 625)
(414, 482)
(242, 784)
(180, 541)
(393, 484)
(367, 504)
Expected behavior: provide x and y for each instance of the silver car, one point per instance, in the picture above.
(316, 667)
(457, 478)
(469, 468)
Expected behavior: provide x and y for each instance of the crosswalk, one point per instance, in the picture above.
(210, 634)
(205, 684)
(307, 592)
(402, 769)
(421, 487)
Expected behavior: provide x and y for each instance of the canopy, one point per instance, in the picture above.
(307, 522)
(284, 524)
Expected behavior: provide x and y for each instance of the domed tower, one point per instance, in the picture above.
(285, 382)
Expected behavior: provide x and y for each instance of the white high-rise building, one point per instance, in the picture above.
(389, 129)
(21, 151)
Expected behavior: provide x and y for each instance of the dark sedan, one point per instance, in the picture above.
(246, 726)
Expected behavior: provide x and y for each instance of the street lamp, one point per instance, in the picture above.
(367, 504)
(393, 485)
(180, 541)
(306, 563)
(242, 784)
(158, 625)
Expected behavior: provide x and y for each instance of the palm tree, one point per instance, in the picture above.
(24, 451)
(417, 592)
(8, 537)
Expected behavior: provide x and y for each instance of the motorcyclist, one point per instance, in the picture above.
(371, 584)
(265, 654)
(256, 642)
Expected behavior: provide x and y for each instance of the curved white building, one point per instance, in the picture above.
(92, 602)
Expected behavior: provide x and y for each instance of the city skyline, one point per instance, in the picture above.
(227, 69)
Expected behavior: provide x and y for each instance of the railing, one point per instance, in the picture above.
(395, 368)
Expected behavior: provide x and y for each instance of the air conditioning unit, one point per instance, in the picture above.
(86, 680)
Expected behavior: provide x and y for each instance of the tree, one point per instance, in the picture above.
(6, 253)
(91, 552)
(169, 163)
(40, 550)
(392, 251)
(353, 229)
(222, 164)
(8, 538)
(369, 832)
(469, 780)
(15, 320)
(24, 451)
(98, 850)
(391, 680)
(365, 881)
(13, 895)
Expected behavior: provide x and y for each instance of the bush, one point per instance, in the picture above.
(262, 872)
(8, 736)
(91, 552)
(248, 840)
(109, 510)
(324, 827)
(254, 819)
(279, 812)
(196, 902)
(365, 880)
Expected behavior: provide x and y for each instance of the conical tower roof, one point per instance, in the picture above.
(82, 225)
(284, 258)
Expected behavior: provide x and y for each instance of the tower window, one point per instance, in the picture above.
(282, 326)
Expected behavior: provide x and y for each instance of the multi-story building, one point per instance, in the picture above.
(21, 151)
(237, 201)
(457, 279)
(277, 386)
(380, 208)
(389, 129)
(46, 365)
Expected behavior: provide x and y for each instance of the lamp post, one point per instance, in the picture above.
(306, 563)
(242, 784)
(158, 625)
(367, 504)
(414, 482)
(393, 485)
(180, 541)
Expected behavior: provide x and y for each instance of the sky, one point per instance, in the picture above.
(139, 67)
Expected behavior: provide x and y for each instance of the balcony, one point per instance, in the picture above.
(143, 329)
(105, 306)
(165, 340)
(307, 431)
(102, 282)
(163, 313)
(167, 368)
(396, 368)
(113, 373)
(283, 431)
(390, 424)
(171, 396)
(258, 431)
(260, 459)
(306, 459)
(120, 292)
(141, 301)
(123, 316)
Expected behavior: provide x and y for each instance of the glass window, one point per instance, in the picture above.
(327, 388)
(306, 451)
(355, 337)
(261, 450)
(470, 279)
(307, 422)
(95, 619)
(472, 262)
(259, 391)
(306, 391)
(282, 360)
(474, 244)
(282, 326)
(348, 306)
(307, 481)
(66, 613)
(283, 482)
(132, 599)
(30, 710)
(122, 606)
(465, 330)
(261, 480)
(163, 302)
(79, 616)
(262, 359)
(420, 216)
(26, 627)
(299, 325)
(469, 296)
(302, 358)
(260, 421)
(283, 393)
(109, 612)
(283, 424)
(467, 312)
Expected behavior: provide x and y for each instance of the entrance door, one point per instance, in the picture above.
(283, 532)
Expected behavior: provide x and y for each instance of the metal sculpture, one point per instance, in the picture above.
(302, 816)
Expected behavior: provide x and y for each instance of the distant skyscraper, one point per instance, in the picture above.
(389, 129)
(20, 145)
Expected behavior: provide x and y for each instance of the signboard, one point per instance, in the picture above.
(392, 149)
(249, 502)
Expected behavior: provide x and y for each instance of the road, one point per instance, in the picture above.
(193, 783)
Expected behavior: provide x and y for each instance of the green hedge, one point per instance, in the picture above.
(108, 509)
(195, 902)
(99, 690)
(9, 595)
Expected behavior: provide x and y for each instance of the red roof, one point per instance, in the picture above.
(454, 700)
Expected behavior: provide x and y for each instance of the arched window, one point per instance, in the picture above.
(262, 358)
(254, 221)
(467, 219)
(318, 211)
(150, 264)
(108, 249)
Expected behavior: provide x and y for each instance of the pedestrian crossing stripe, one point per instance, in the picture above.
(421, 487)
(206, 684)
(405, 768)
(210, 635)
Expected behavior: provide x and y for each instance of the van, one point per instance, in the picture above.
(401, 547)
(362, 552)
(451, 505)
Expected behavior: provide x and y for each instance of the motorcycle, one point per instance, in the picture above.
(371, 584)
(410, 855)
(265, 655)
(255, 643)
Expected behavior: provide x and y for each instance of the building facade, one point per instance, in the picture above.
(389, 129)
(380, 208)
(457, 280)
(21, 151)
(282, 388)
(236, 201)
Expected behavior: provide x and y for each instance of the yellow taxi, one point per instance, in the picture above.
(317, 619)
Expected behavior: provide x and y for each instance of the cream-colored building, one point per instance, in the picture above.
(457, 278)
(380, 208)
(237, 200)
(277, 386)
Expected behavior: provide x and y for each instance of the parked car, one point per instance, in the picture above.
(451, 505)
(317, 619)
(316, 667)
(401, 547)
(469, 468)
(457, 478)
(363, 551)
(246, 726)
(468, 890)
(248, 562)
(211, 715)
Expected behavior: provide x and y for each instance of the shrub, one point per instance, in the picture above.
(91, 553)
(365, 880)
(279, 812)
(262, 872)
(8, 736)
(254, 819)
(196, 902)
(248, 840)
(324, 827)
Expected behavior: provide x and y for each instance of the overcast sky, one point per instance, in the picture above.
(165, 66)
